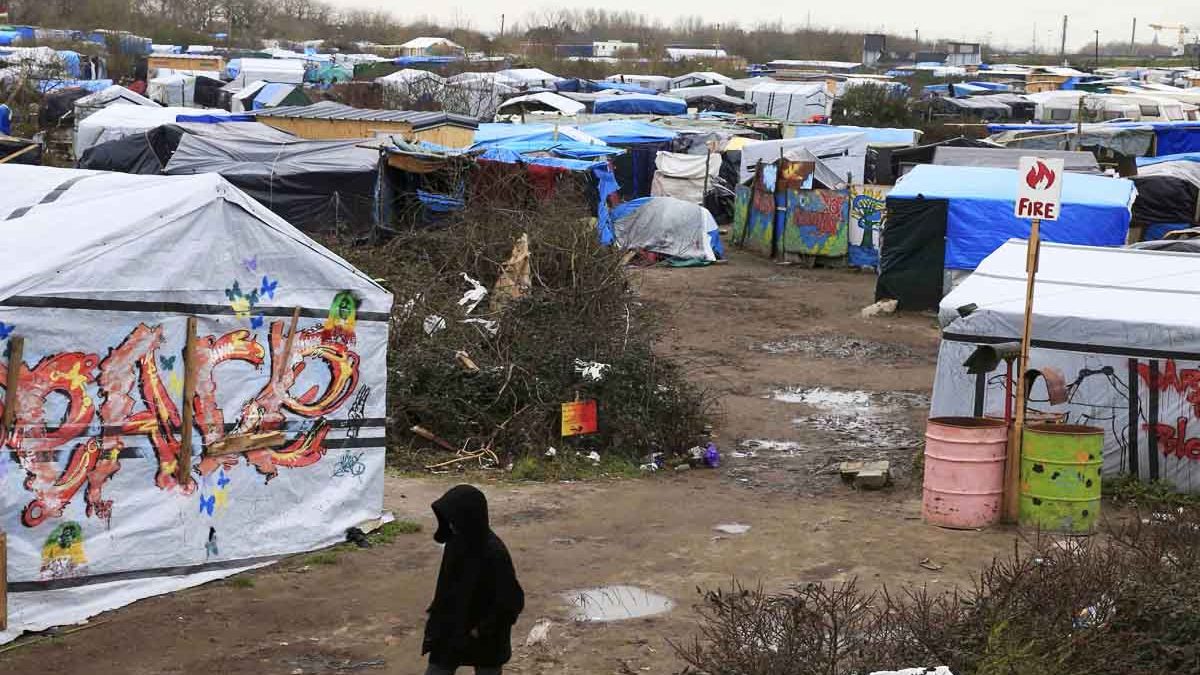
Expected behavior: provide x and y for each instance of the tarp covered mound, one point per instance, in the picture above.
(844, 154)
(1170, 138)
(114, 95)
(318, 186)
(1123, 327)
(492, 133)
(119, 121)
(92, 501)
(667, 226)
(148, 152)
(542, 101)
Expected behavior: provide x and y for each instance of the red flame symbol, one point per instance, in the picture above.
(1038, 173)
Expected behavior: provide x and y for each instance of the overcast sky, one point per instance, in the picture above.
(1012, 23)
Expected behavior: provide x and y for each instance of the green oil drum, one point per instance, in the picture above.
(1060, 477)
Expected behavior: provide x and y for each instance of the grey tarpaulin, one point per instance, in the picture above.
(668, 226)
(1123, 325)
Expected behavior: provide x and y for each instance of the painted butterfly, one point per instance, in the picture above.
(167, 362)
(256, 321)
(251, 263)
(222, 481)
(5, 330)
(268, 287)
(207, 504)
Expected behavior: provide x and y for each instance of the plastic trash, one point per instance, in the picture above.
(712, 457)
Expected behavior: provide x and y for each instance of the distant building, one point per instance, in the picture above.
(430, 46)
(874, 48)
(610, 48)
(696, 53)
(963, 54)
(576, 50)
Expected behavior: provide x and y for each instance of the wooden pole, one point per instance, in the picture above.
(16, 351)
(707, 161)
(184, 460)
(3, 581)
(286, 358)
(1012, 468)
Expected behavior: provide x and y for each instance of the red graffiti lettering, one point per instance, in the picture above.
(1174, 440)
(135, 401)
(1185, 382)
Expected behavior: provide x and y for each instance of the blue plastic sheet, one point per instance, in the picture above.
(1095, 209)
(1171, 138)
(640, 104)
(627, 132)
(214, 119)
(5, 119)
(1181, 157)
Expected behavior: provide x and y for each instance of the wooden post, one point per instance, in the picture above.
(16, 351)
(1012, 468)
(184, 460)
(3, 581)
(707, 165)
(286, 358)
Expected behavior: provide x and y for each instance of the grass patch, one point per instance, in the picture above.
(568, 466)
(242, 582)
(388, 532)
(329, 557)
(1130, 490)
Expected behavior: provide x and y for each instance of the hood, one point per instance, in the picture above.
(465, 507)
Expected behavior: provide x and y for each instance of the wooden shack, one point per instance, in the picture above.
(329, 120)
(191, 62)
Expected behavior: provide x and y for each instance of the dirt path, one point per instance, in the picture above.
(793, 364)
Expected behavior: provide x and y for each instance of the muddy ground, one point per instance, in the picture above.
(803, 383)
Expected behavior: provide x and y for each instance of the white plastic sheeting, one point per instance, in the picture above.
(556, 103)
(120, 121)
(285, 71)
(790, 102)
(682, 176)
(1115, 322)
(668, 226)
(114, 95)
(173, 90)
(92, 507)
(843, 154)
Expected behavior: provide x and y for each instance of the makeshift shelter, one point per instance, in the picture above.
(944, 220)
(530, 78)
(328, 120)
(844, 155)
(119, 121)
(685, 177)
(492, 133)
(1168, 196)
(1116, 323)
(1133, 139)
(643, 141)
(974, 109)
(654, 83)
(148, 152)
(721, 103)
(582, 86)
(699, 79)
(318, 186)
(410, 89)
(114, 95)
(285, 71)
(639, 104)
(287, 447)
(669, 227)
(477, 95)
(543, 102)
(172, 91)
(790, 102)
(262, 94)
(1005, 158)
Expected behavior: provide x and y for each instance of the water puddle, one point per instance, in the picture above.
(857, 418)
(732, 528)
(822, 397)
(839, 347)
(753, 447)
(616, 603)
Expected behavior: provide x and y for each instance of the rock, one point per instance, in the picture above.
(881, 308)
(683, 467)
(866, 475)
(539, 633)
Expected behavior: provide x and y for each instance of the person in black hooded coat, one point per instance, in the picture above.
(478, 597)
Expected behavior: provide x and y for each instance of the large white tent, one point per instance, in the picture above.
(844, 155)
(114, 95)
(120, 121)
(104, 271)
(790, 101)
(1122, 326)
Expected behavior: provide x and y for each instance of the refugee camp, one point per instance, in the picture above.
(340, 336)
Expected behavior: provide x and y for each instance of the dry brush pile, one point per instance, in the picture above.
(1124, 602)
(496, 376)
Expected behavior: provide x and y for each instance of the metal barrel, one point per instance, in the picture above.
(1060, 477)
(964, 471)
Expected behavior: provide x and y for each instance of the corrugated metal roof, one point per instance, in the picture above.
(330, 110)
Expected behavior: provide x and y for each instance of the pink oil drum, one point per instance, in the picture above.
(964, 471)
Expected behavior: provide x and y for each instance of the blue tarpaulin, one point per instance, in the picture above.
(640, 104)
(591, 86)
(8, 37)
(562, 148)
(426, 60)
(628, 132)
(70, 61)
(1182, 157)
(5, 119)
(1095, 209)
(214, 119)
(1170, 137)
(875, 136)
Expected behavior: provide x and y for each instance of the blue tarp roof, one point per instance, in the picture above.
(628, 132)
(1095, 209)
(47, 86)
(875, 135)
(960, 89)
(564, 147)
(7, 37)
(1171, 138)
(640, 104)
(991, 86)
(417, 60)
(590, 86)
(1181, 157)
(490, 133)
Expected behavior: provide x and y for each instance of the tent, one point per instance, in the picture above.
(1115, 322)
(952, 217)
(643, 141)
(261, 94)
(318, 186)
(120, 121)
(683, 176)
(97, 512)
(876, 136)
(1005, 158)
(669, 227)
(721, 103)
(173, 90)
(700, 79)
(790, 102)
(639, 104)
(530, 77)
(147, 152)
(1168, 193)
(114, 95)
(541, 102)
(652, 82)
(286, 71)
(843, 154)
(581, 86)
(491, 133)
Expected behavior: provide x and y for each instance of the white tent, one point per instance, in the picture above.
(841, 154)
(700, 79)
(1116, 323)
(172, 90)
(790, 102)
(530, 77)
(114, 95)
(543, 101)
(94, 508)
(655, 82)
(285, 71)
(683, 176)
(120, 121)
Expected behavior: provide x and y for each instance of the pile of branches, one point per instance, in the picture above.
(491, 380)
(1122, 603)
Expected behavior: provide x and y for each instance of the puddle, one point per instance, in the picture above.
(839, 347)
(822, 397)
(732, 528)
(616, 603)
(753, 447)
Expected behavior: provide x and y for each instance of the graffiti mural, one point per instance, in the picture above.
(124, 394)
(62, 554)
(816, 222)
(867, 206)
